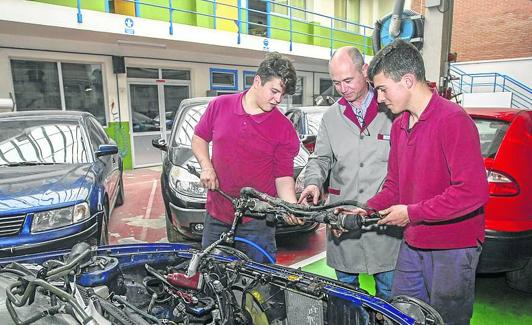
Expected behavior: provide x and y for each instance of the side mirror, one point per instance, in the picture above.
(159, 143)
(324, 100)
(319, 100)
(106, 150)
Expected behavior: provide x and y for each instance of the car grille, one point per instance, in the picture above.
(11, 225)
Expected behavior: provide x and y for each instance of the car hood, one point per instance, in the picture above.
(33, 188)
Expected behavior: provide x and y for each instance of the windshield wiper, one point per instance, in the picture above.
(27, 163)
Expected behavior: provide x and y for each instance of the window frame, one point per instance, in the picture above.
(232, 72)
(247, 73)
(59, 67)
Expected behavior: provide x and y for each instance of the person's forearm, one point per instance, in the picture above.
(286, 189)
(200, 149)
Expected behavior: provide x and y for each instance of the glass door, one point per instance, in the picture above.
(149, 101)
(145, 111)
(173, 95)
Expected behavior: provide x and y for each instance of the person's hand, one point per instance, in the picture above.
(292, 220)
(311, 191)
(209, 179)
(337, 232)
(396, 215)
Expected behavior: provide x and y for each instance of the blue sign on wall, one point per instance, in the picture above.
(129, 26)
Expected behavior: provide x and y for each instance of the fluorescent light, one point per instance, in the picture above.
(146, 44)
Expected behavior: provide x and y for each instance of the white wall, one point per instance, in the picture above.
(499, 99)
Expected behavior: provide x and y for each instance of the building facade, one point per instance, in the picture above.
(130, 63)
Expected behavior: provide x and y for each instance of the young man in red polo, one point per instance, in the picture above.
(253, 144)
(435, 188)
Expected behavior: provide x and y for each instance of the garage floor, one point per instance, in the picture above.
(141, 219)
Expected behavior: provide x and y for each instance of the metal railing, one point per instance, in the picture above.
(335, 37)
(492, 82)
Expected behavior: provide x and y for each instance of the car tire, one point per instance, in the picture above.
(172, 234)
(521, 279)
(120, 196)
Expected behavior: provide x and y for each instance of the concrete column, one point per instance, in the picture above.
(437, 39)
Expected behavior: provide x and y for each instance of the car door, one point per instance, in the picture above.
(110, 165)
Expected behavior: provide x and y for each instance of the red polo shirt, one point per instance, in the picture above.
(436, 169)
(247, 150)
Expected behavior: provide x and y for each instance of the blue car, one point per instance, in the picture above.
(60, 177)
(176, 284)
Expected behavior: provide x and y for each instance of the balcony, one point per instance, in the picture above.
(268, 21)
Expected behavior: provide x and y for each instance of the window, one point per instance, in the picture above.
(96, 134)
(297, 97)
(37, 87)
(491, 133)
(41, 140)
(340, 12)
(326, 87)
(281, 7)
(257, 17)
(223, 79)
(248, 77)
(142, 73)
(176, 74)
(83, 89)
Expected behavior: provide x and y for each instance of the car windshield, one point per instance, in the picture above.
(39, 142)
(491, 134)
(311, 123)
(187, 123)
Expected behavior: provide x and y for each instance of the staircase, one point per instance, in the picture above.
(491, 82)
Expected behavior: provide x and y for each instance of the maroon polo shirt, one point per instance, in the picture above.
(436, 169)
(247, 150)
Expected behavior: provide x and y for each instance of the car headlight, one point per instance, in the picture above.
(184, 183)
(52, 219)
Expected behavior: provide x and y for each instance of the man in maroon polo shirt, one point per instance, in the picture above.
(435, 186)
(253, 144)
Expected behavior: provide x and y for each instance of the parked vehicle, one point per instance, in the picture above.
(184, 196)
(143, 123)
(60, 177)
(307, 120)
(506, 144)
(148, 284)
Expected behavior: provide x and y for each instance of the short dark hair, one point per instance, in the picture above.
(397, 59)
(277, 66)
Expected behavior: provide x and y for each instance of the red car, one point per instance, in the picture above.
(506, 142)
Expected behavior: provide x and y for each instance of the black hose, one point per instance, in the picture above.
(135, 309)
(294, 207)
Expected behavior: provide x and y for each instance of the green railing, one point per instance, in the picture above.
(215, 15)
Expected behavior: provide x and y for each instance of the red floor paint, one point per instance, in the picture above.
(141, 219)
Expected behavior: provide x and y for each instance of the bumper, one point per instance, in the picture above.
(186, 218)
(505, 251)
(52, 244)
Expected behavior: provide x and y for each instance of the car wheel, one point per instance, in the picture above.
(521, 279)
(120, 197)
(173, 235)
(104, 230)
